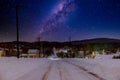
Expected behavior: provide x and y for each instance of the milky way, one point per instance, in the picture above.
(59, 14)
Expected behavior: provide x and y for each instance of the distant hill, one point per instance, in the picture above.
(97, 40)
(60, 44)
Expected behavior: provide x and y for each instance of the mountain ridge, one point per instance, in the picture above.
(85, 41)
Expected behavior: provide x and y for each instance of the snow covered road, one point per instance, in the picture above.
(58, 70)
(55, 69)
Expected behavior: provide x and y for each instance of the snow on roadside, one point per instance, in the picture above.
(108, 69)
(13, 68)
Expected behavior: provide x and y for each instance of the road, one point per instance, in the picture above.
(59, 70)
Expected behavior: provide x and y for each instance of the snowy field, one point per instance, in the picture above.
(59, 69)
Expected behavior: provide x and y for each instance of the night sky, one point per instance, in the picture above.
(57, 20)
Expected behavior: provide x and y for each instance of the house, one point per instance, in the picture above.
(81, 53)
(33, 53)
(2, 52)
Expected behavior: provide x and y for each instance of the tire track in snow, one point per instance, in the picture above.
(63, 72)
(60, 73)
(45, 76)
(81, 68)
(37, 73)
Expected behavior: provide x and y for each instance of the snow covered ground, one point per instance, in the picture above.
(104, 68)
(13, 68)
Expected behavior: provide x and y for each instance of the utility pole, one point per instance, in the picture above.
(17, 31)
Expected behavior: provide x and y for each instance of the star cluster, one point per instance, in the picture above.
(59, 14)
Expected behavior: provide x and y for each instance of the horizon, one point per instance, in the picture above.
(62, 41)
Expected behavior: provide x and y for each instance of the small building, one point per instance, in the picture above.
(81, 53)
(2, 52)
(33, 53)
